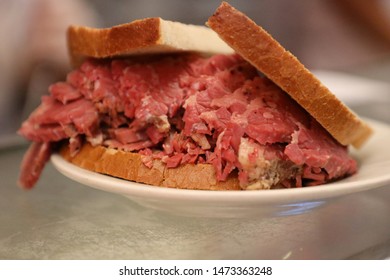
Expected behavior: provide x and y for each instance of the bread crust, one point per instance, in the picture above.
(129, 166)
(259, 48)
(145, 36)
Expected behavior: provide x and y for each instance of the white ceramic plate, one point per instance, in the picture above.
(354, 90)
(374, 172)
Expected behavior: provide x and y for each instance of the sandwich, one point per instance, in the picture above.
(223, 107)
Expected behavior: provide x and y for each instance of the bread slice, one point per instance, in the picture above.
(129, 166)
(259, 48)
(150, 35)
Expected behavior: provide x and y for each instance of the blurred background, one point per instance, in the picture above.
(350, 36)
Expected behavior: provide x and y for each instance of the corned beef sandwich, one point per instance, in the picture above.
(173, 105)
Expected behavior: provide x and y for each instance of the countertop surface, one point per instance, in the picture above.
(61, 219)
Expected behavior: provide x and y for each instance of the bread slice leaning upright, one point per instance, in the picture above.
(259, 48)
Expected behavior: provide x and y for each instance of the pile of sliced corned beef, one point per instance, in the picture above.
(185, 109)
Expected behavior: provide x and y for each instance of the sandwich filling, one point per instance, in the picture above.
(186, 109)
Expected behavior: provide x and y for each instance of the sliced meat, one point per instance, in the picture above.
(64, 92)
(189, 109)
(33, 163)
